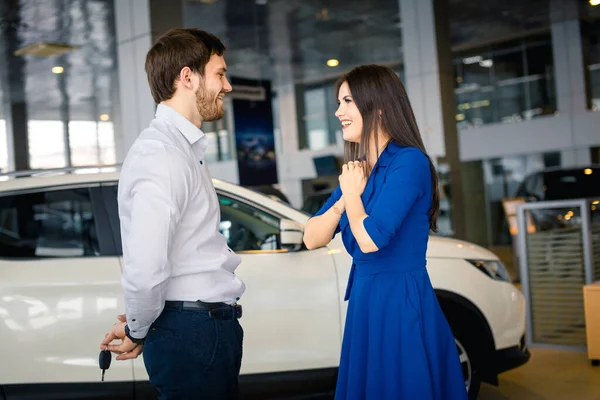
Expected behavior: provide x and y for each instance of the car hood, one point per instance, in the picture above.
(442, 247)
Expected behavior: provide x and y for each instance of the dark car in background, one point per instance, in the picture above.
(561, 184)
(555, 184)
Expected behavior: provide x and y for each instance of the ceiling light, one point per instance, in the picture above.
(104, 117)
(333, 62)
(588, 171)
(58, 69)
(594, 2)
(46, 49)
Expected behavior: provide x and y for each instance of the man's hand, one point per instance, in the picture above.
(126, 350)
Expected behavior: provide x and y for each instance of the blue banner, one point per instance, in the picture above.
(254, 135)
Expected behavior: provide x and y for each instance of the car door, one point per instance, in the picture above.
(291, 304)
(59, 290)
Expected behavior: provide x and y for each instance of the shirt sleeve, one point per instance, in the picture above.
(335, 196)
(405, 183)
(150, 203)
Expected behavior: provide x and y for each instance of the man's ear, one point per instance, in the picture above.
(186, 78)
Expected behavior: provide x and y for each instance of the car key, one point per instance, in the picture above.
(104, 361)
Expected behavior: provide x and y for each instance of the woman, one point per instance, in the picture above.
(397, 343)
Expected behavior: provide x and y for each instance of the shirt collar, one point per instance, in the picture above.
(183, 125)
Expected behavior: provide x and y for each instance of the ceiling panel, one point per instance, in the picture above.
(88, 83)
(265, 38)
(300, 34)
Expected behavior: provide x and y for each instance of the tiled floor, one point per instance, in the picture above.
(549, 375)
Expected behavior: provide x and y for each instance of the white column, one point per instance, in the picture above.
(430, 87)
(422, 71)
(134, 38)
(568, 58)
(569, 76)
(286, 137)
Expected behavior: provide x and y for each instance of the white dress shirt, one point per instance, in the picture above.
(169, 212)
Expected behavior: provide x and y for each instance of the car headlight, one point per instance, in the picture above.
(495, 269)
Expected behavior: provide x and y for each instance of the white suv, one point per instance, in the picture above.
(60, 290)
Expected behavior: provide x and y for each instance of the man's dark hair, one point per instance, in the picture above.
(176, 49)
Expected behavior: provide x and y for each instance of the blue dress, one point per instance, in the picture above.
(397, 343)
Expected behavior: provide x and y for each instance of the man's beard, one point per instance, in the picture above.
(209, 107)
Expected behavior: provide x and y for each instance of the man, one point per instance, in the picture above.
(179, 279)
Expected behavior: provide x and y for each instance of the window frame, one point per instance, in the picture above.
(106, 242)
(266, 210)
(249, 211)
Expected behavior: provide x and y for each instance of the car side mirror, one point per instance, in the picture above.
(291, 235)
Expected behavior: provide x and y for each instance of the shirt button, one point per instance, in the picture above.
(237, 298)
(201, 162)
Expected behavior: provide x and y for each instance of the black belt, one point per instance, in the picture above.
(215, 310)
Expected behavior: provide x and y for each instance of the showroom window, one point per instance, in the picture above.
(595, 155)
(60, 84)
(318, 126)
(220, 137)
(503, 178)
(48, 224)
(590, 43)
(3, 147)
(504, 83)
(246, 227)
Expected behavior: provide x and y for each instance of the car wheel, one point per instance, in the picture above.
(472, 382)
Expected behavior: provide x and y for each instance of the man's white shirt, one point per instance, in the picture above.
(169, 212)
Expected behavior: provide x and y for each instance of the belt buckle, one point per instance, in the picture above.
(216, 312)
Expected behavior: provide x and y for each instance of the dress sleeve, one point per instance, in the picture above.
(406, 181)
(335, 196)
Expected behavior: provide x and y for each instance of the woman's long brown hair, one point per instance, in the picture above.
(383, 103)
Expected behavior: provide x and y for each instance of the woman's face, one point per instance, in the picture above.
(349, 116)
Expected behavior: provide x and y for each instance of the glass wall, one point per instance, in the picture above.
(220, 137)
(60, 88)
(506, 82)
(590, 43)
(318, 126)
(3, 146)
(503, 178)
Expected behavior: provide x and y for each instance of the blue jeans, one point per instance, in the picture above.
(189, 355)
